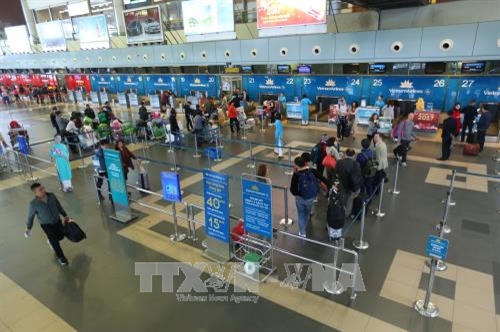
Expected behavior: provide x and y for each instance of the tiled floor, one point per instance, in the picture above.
(99, 289)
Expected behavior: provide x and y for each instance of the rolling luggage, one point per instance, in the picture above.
(471, 149)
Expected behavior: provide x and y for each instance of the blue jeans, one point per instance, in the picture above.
(304, 207)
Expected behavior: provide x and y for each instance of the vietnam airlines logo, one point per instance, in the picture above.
(406, 84)
(197, 81)
(269, 81)
(102, 79)
(255, 188)
(330, 83)
(160, 80)
(129, 79)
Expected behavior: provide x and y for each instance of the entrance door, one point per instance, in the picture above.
(230, 83)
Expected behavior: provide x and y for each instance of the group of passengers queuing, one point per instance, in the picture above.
(40, 95)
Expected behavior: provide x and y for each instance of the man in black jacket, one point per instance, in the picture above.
(349, 173)
(449, 129)
(470, 113)
(89, 112)
(143, 112)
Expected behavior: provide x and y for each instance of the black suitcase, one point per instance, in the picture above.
(357, 206)
(347, 130)
(73, 232)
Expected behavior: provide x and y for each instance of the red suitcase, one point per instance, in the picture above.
(471, 149)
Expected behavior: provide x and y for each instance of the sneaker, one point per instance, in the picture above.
(63, 261)
(302, 235)
(50, 246)
(404, 164)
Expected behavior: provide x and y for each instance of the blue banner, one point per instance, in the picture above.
(130, 82)
(98, 82)
(216, 195)
(431, 89)
(171, 186)
(269, 85)
(349, 87)
(155, 83)
(208, 84)
(481, 89)
(23, 145)
(257, 207)
(114, 168)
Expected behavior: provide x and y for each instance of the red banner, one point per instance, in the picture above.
(279, 13)
(76, 81)
(426, 121)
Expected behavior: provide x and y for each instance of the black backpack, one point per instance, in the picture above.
(73, 232)
(317, 154)
(335, 212)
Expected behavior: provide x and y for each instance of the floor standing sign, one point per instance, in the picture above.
(257, 207)
(171, 189)
(118, 187)
(216, 196)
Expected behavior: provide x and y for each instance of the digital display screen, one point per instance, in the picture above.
(247, 69)
(282, 13)
(92, 31)
(377, 68)
(304, 69)
(473, 67)
(18, 38)
(143, 25)
(52, 36)
(79, 8)
(207, 16)
(283, 69)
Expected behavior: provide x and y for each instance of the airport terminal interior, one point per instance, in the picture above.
(190, 234)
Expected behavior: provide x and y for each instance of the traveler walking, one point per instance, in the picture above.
(60, 154)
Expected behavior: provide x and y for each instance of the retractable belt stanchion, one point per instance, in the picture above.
(286, 221)
(244, 137)
(196, 153)
(425, 307)
(290, 165)
(379, 212)
(262, 130)
(252, 159)
(31, 177)
(335, 287)
(395, 190)
(361, 244)
(175, 168)
(82, 165)
(218, 146)
(168, 134)
(176, 236)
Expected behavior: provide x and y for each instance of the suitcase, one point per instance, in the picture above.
(471, 149)
(357, 206)
(347, 130)
(334, 234)
(73, 232)
(144, 179)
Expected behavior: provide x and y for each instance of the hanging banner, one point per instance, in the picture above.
(131, 83)
(349, 87)
(100, 82)
(51, 36)
(208, 84)
(269, 85)
(171, 186)
(92, 31)
(257, 207)
(216, 195)
(431, 89)
(154, 83)
(117, 184)
(283, 13)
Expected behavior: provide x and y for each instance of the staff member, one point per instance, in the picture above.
(47, 207)
(449, 130)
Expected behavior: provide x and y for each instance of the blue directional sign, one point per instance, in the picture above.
(216, 195)
(257, 207)
(114, 168)
(436, 247)
(171, 187)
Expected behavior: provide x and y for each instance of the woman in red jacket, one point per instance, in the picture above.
(127, 157)
(456, 115)
(233, 117)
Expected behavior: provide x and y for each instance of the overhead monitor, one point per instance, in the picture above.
(285, 13)
(208, 17)
(246, 69)
(304, 69)
(92, 32)
(378, 68)
(284, 69)
(18, 39)
(473, 67)
(143, 25)
(435, 67)
(52, 36)
(78, 8)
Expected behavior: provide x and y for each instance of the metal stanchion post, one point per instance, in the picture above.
(262, 130)
(176, 236)
(96, 176)
(361, 244)
(425, 307)
(31, 178)
(244, 137)
(335, 287)
(379, 212)
(168, 134)
(445, 229)
(81, 157)
(217, 147)
(175, 168)
(290, 165)
(286, 221)
(252, 164)
(448, 199)
(220, 138)
(395, 190)
(19, 168)
(196, 153)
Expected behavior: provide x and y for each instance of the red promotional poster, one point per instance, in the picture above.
(75, 81)
(282, 13)
(426, 121)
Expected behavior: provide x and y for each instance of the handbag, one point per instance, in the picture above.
(329, 161)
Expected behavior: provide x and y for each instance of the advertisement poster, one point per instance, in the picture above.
(73, 82)
(103, 82)
(349, 87)
(282, 13)
(51, 36)
(18, 39)
(92, 31)
(207, 16)
(426, 121)
(204, 83)
(216, 196)
(171, 187)
(269, 85)
(257, 207)
(143, 25)
(128, 83)
(155, 83)
(364, 113)
(431, 89)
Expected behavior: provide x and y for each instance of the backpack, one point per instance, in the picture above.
(317, 154)
(103, 117)
(335, 212)
(73, 232)
(308, 185)
(370, 168)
